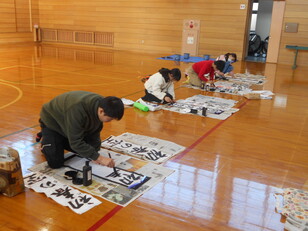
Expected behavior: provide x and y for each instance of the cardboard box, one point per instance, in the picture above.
(11, 179)
(252, 96)
(256, 87)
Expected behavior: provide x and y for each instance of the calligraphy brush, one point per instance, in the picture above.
(114, 169)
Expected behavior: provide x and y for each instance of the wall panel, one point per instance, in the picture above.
(7, 16)
(18, 16)
(22, 9)
(154, 25)
(295, 12)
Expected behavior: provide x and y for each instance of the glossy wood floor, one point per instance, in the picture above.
(224, 180)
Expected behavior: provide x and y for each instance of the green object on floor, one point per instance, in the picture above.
(141, 106)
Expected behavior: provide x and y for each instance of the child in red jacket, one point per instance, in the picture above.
(204, 71)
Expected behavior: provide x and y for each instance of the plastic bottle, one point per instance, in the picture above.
(141, 106)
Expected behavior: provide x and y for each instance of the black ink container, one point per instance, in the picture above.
(87, 174)
(194, 111)
(204, 109)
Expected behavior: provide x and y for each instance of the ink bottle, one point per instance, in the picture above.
(202, 86)
(194, 111)
(204, 109)
(87, 174)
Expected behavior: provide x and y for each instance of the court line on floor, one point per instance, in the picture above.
(71, 72)
(25, 129)
(16, 99)
(105, 218)
(117, 208)
(64, 85)
(4, 68)
(13, 133)
(201, 138)
(119, 79)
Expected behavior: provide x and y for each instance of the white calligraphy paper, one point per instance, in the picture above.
(112, 191)
(121, 176)
(146, 148)
(61, 193)
(217, 108)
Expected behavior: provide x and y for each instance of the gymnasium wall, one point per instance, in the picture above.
(16, 20)
(296, 11)
(153, 26)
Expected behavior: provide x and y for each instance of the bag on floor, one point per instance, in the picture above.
(294, 205)
(11, 180)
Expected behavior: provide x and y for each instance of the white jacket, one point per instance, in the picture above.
(156, 85)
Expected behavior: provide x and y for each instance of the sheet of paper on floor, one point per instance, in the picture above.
(108, 190)
(239, 85)
(217, 108)
(122, 176)
(143, 147)
(61, 193)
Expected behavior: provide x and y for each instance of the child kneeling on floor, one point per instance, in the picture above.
(203, 72)
(229, 58)
(159, 87)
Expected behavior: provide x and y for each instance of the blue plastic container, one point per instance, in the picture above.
(177, 57)
(206, 57)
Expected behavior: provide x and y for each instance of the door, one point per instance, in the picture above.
(275, 31)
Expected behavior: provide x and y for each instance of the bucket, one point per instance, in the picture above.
(177, 57)
(186, 55)
(11, 179)
(206, 57)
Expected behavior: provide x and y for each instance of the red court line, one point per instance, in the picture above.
(109, 215)
(105, 218)
(198, 141)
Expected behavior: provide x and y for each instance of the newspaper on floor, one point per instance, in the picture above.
(225, 87)
(216, 108)
(127, 102)
(239, 85)
(106, 185)
(264, 94)
(61, 193)
(143, 147)
(247, 78)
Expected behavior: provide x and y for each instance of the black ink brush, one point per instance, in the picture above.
(114, 169)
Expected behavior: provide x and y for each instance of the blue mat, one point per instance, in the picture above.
(191, 59)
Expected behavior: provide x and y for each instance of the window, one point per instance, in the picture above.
(254, 15)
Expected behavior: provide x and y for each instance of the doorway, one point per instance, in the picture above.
(259, 30)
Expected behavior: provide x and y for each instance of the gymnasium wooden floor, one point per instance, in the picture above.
(224, 180)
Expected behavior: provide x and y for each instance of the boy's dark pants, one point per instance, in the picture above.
(52, 146)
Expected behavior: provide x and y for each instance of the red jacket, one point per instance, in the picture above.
(204, 67)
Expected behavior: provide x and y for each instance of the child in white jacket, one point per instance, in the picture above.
(159, 87)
